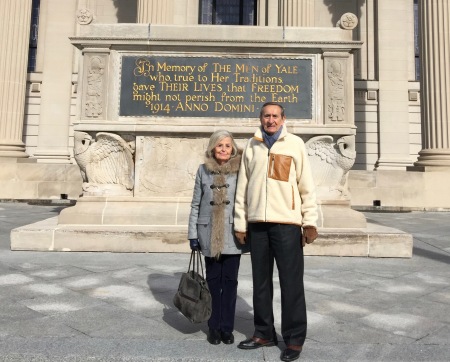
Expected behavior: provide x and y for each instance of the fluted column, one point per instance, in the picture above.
(298, 13)
(56, 94)
(273, 11)
(155, 11)
(434, 18)
(14, 42)
(393, 82)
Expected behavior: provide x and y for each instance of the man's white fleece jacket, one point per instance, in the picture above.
(275, 185)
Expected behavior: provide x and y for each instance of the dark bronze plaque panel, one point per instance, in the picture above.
(213, 86)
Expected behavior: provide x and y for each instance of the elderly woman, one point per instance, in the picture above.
(211, 231)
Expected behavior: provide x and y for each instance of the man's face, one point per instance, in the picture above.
(271, 119)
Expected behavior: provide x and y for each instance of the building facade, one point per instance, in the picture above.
(400, 108)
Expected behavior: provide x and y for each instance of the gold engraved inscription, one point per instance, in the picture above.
(185, 86)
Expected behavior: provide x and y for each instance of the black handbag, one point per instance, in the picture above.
(193, 298)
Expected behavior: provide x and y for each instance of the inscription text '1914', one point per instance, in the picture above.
(214, 87)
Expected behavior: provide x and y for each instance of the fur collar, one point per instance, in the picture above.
(232, 166)
(220, 200)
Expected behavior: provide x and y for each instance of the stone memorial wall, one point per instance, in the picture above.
(158, 93)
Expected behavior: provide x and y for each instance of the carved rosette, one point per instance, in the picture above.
(84, 16)
(336, 90)
(348, 21)
(94, 89)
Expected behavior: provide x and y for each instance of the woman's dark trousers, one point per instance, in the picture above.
(222, 278)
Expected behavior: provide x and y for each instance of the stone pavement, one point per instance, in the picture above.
(57, 306)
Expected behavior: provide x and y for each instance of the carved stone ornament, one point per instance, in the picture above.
(169, 166)
(330, 162)
(106, 163)
(336, 91)
(84, 16)
(348, 21)
(94, 91)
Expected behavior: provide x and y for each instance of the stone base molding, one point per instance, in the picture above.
(12, 149)
(438, 157)
(47, 235)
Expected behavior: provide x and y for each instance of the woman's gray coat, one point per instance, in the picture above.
(211, 217)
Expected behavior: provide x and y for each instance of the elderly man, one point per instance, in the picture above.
(276, 210)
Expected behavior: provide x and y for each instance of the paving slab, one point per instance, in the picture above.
(104, 306)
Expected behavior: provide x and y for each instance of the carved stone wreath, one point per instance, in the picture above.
(348, 21)
(84, 16)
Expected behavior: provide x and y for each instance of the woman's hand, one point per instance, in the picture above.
(194, 244)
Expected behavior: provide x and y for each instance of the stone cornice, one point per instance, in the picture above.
(208, 45)
(145, 41)
(141, 35)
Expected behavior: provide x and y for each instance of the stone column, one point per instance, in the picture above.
(57, 67)
(155, 11)
(186, 12)
(272, 12)
(393, 74)
(434, 18)
(299, 13)
(14, 40)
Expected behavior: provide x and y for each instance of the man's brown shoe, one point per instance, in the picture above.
(291, 353)
(256, 342)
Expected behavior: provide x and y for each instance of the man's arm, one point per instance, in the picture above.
(240, 204)
(307, 189)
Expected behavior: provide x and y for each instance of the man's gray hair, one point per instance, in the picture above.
(215, 138)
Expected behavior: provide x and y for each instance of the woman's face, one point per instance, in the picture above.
(223, 149)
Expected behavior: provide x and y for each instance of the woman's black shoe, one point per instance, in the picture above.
(227, 337)
(214, 336)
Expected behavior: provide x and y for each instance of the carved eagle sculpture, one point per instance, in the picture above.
(330, 164)
(106, 161)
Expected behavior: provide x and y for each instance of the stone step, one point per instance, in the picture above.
(48, 235)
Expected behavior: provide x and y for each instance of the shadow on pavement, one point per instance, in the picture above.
(440, 257)
(173, 317)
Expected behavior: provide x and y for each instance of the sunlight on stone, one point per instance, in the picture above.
(315, 318)
(14, 279)
(46, 273)
(403, 289)
(393, 322)
(348, 308)
(136, 297)
(53, 307)
(324, 287)
(84, 282)
(47, 289)
(432, 279)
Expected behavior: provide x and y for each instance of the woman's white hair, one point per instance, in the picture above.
(215, 138)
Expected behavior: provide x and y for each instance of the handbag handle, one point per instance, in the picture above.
(195, 254)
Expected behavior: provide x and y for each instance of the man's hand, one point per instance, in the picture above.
(309, 234)
(242, 237)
